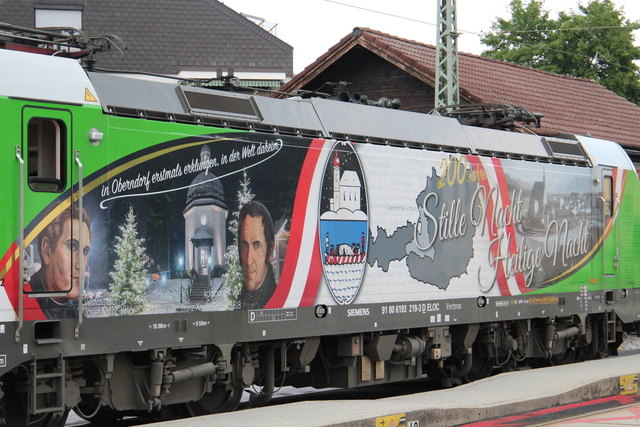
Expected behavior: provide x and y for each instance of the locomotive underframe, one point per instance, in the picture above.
(102, 379)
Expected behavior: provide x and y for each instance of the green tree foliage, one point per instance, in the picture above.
(127, 288)
(595, 42)
(233, 271)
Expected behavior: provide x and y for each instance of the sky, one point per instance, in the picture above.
(313, 26)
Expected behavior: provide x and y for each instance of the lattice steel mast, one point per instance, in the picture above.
(447, 84)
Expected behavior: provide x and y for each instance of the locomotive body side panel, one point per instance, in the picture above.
(370, 223)
(358, 223)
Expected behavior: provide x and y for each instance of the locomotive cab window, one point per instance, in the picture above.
(607, 196)
(46, 139)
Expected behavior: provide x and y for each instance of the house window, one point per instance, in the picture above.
(45, 163)
(58, 16)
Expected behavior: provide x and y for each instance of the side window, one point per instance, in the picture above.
(607, 196)
(47, 148)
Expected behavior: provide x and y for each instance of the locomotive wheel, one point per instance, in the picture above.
(481, 367)
(103, 417)
(482, 363)
(566, 357)
(223, 398)
(18, 419)
(596, 349)
(15, 413)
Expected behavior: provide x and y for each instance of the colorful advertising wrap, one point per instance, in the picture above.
(248, 221)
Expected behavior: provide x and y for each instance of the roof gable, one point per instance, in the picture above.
(350, 179)
(569, 104)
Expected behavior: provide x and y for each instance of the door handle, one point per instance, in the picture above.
(21, 273)
(81, 265)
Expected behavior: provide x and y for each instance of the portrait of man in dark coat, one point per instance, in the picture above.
(255, 246)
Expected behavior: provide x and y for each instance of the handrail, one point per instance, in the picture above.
(20, 277)
(80, 252)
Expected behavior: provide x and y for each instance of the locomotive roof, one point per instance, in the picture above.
(317, 117)
(40, 77)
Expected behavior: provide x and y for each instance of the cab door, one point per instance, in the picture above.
(610, 250)
(49, 239)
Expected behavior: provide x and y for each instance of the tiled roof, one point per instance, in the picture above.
(166, 36)
(569, 104)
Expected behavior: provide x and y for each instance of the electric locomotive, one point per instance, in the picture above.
(165, 247)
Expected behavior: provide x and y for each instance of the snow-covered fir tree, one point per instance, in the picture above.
(127, 288)
(233, 271)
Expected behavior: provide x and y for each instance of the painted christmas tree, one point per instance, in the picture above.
(233, 271)
(127, 288)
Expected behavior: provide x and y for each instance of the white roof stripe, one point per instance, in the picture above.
(42, 77)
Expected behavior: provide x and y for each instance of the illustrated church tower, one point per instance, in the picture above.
(346, 189)
(205, 221)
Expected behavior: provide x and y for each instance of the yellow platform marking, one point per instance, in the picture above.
(391, 421)
(629, 384)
